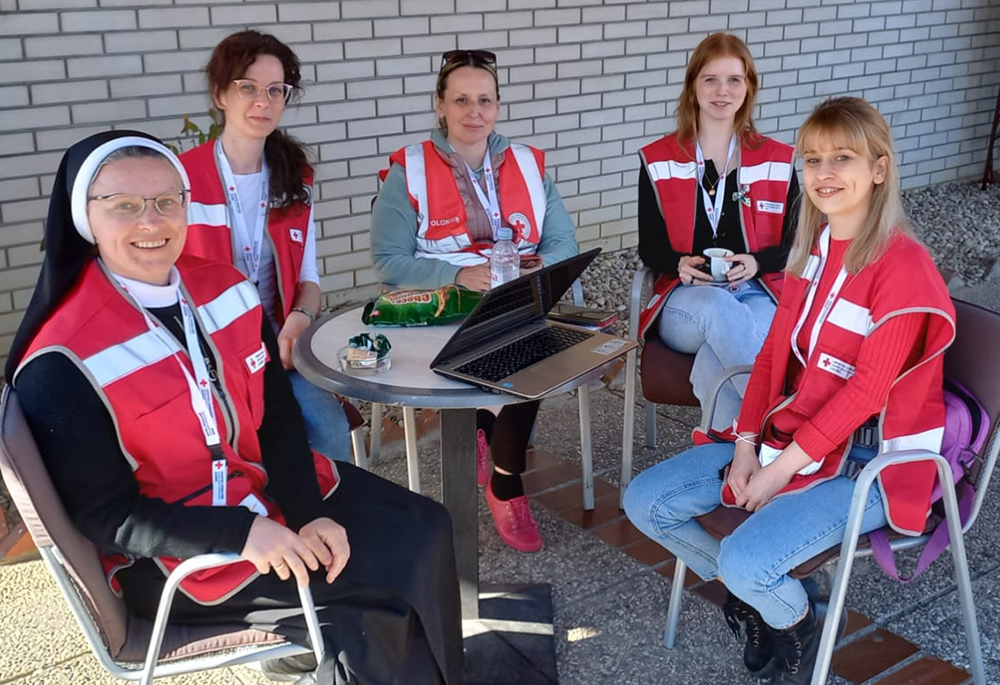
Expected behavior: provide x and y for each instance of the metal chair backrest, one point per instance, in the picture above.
(50, 526)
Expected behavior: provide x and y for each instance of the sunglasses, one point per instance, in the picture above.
(478, 56)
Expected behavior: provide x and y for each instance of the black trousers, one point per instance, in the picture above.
(391, 618)
(509, 434)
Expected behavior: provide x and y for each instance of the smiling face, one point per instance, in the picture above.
(470, 106)
(721, 88)
(257, 118)
(840, 181)
(143, 248)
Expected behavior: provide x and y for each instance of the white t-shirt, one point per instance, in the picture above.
(248, 188)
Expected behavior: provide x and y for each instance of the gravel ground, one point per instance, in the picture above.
(959, 223)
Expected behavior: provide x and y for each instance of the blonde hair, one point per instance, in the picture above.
(851, 123)
(717, 45)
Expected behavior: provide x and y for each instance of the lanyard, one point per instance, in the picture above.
(824, 249)
(251, 248)
(199, 389)
(489, 200)
(713, 206)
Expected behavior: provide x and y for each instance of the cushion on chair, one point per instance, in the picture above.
(186, 642)
(665, 374)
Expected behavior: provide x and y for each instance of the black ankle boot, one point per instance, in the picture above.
(757, 649)
(795, 648)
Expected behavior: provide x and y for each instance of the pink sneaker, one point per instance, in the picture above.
(514, 522)
(482, 458)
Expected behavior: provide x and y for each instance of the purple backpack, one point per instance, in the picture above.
(965, 429)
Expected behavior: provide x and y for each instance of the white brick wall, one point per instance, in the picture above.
(588, 80)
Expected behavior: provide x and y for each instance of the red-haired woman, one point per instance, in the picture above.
(251, 207)
(716, 183)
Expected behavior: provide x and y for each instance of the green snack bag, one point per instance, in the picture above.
(421, 307)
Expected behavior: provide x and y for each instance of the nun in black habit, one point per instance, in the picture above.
(386, 592)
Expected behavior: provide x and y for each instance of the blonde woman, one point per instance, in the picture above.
(858, 336)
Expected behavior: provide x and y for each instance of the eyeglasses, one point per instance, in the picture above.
(276, 92)
(127, 206)
(480, 56)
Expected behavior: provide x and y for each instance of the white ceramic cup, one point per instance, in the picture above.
(716, 257)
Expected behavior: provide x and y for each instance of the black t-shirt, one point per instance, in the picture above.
(79, 445)
(658, 254)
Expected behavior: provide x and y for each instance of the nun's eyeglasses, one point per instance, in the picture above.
(249, 90)
(171, 204)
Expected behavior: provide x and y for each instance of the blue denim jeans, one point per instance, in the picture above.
(326, 423)
(722, 328)
(755, 560)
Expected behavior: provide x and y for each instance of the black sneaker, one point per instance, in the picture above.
(796, 648)
(757, 649)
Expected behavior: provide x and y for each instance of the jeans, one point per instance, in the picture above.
(326, 423)
(721, 328)
(755, 559)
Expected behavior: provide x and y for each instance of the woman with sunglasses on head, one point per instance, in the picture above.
(153, 385)
(251, 207)
(715, 183)
(442, 205)
(857, 344)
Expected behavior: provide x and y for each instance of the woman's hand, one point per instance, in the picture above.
(689, 273)
(745, 465)
(289, 333)
(272, 545)
(763, 485)
(328, 541)
(744, 267)
(475, 277)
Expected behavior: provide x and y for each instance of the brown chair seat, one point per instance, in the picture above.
(665, 374)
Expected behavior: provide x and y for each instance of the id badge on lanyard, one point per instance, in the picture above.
(488, 200)
(199, 391)
(249, 246)
(713, 205)
(838, 284)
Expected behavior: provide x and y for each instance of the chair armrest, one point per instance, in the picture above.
(726, 375)
(641, 281)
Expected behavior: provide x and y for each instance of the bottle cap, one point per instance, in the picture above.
(505, 233)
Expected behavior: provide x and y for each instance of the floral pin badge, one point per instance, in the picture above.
(742, 195)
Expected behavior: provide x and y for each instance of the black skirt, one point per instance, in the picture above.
(391, 617)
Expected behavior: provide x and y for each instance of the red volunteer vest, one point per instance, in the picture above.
(763, 179)
(210, 233)
(442, 231)
(904, 279)
(104, 333)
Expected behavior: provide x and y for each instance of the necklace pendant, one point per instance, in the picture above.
(711, 192)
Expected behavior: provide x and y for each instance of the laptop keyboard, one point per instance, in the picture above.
(522, 353)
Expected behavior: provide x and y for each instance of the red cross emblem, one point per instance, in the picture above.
(204, 383)
(826, 362)
(232, 189)
(518, 225)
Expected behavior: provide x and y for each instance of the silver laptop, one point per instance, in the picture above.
(508, 345)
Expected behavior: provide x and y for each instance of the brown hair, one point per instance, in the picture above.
(449, 66)
(285, 155)
(851, 123)
(717, 45)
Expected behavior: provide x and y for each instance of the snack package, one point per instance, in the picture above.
(421, 307)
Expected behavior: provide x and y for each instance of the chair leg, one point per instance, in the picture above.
(412, 459)
(674, 608)
(358, 447)
(650, 423)
(827, 641)
(376, 435)
(586, 451)
(628, 426)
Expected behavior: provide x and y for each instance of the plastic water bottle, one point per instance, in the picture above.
(505, 262)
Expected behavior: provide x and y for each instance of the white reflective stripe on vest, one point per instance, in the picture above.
(210, 215)
(535, 182)
(416, 185)
(929, 440)
(661, 171)
(851, 317)
(765, 171)
(457, 258)
(233, 303)
(118, 361)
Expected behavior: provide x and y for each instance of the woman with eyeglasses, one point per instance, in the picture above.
(716, 183)
(251, 207)
(168, 435)
(440, 210)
